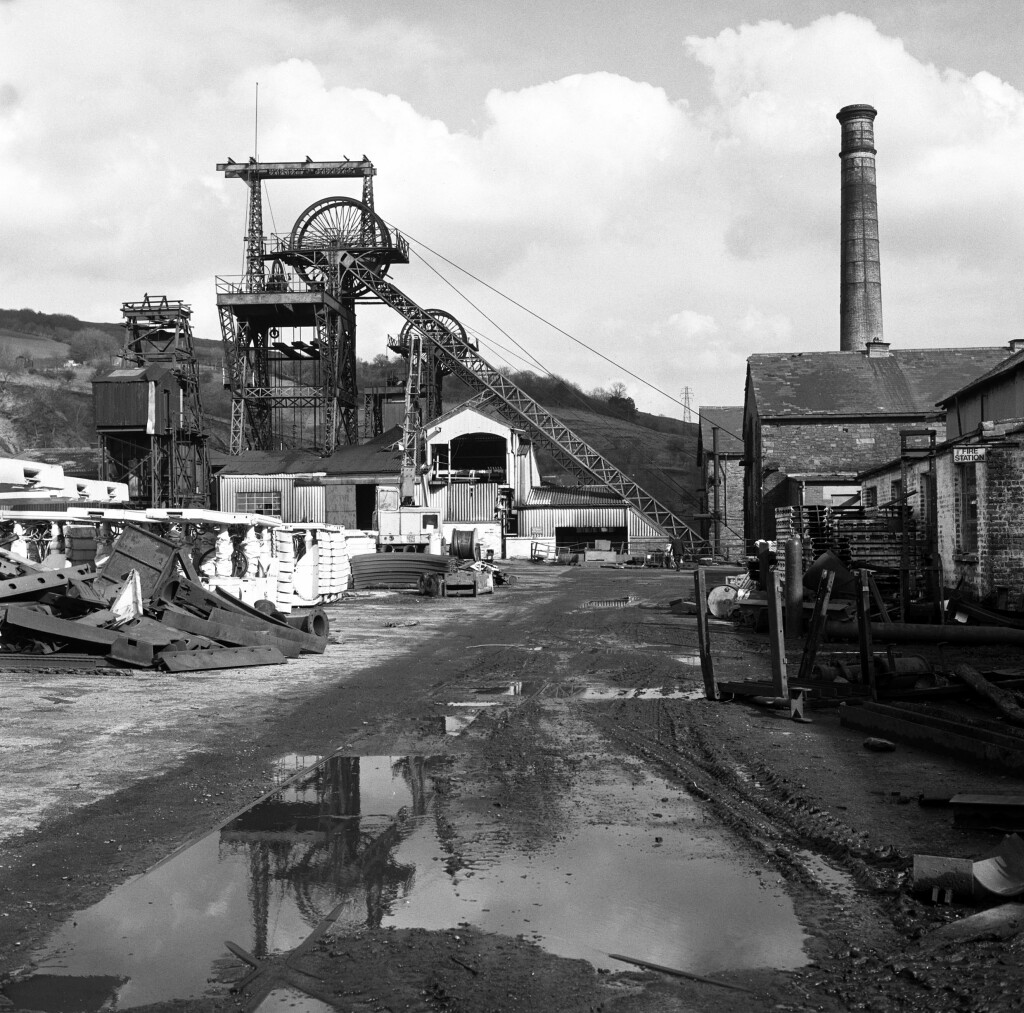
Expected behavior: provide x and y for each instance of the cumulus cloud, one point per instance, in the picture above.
(674, 237)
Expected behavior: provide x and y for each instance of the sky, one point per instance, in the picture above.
(659, 180)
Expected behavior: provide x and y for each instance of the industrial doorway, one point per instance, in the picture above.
(587, 538)
(366, 506)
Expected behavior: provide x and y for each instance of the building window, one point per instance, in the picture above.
(267, 501)
(871, 496)
(968, 507)
(895, 490)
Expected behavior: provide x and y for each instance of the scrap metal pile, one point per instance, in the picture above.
(145, 607)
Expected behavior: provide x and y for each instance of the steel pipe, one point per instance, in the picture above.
(922, 633)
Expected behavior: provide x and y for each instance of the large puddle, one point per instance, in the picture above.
(623, 862)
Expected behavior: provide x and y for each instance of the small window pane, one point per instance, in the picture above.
(267, 501)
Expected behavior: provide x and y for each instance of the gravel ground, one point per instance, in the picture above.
(105, 775)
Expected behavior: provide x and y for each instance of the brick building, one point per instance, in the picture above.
(971, 498)
(720, 458)
(813, 422)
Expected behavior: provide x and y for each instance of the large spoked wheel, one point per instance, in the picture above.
(331, 227)
(445, 319)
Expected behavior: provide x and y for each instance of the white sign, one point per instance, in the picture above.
(968, 455)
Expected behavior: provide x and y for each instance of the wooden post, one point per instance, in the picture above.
(776, 640)
(762, 564)
(716, 513)
(867, 654)
(794, 586)
(877, 595)
(817, 627)
(707, 665)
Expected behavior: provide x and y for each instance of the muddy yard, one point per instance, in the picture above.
(466, 804)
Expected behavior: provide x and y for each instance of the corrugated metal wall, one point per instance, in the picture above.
(471, 501)
(124, 404)
(229, 485)
(641, 528)
(541, 522)
(308, 504)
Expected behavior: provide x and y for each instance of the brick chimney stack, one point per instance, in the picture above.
(860, 298)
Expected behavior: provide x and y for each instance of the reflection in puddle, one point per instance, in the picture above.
(455, 724)
(654, 693)
(62, 994)
(509, 689)
(418, 842)
(590, 691)
(263, 881)
(291, 1000)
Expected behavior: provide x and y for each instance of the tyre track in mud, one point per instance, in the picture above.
(750, 798)
(766, 812)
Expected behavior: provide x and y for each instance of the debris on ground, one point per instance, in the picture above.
(145, 607)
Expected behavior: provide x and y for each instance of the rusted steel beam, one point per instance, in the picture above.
(31, 584)
(817, 625)
(867, 651)
(132, 651)
(28, 621)
(225, 657)
(921, 633)
(234, 636)
(306, 641)
(951, 738)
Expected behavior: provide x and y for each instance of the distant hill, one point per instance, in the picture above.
(47, 336)
(46, 404)
(657, 452)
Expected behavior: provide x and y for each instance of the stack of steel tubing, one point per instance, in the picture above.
(396, 569)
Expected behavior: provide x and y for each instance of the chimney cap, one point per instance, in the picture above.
(876, 349)
(1016, 344)
(860, 111)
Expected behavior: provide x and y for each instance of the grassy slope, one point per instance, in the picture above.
(657, 452)
(664, 464)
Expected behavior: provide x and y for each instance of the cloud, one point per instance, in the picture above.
(674, 238)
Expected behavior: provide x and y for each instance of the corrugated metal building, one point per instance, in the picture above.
(481, 473)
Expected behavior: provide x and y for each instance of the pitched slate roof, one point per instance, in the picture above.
(375, 457)
(906, 381)
(729, 420)
(1010, 364)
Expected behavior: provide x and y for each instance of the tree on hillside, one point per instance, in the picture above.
(92, 345)
(9, 366)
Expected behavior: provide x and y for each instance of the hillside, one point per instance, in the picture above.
(47, 404)
(663, 464)
(658, 452)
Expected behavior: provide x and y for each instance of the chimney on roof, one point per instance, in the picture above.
(1016, 345)
(860, 297)
(877, 349)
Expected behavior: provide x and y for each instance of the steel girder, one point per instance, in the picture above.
(519, 408)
